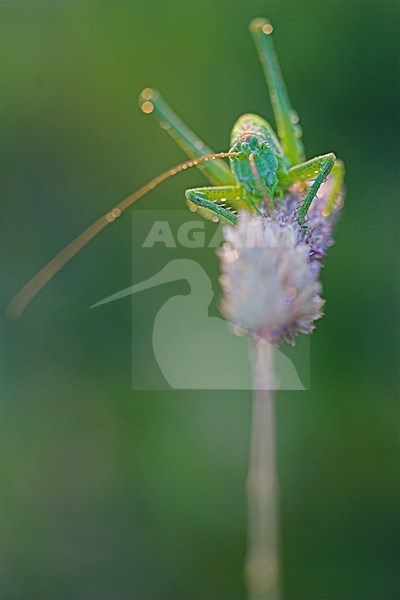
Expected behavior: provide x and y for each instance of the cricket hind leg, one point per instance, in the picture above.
(217, 171)
(286, 118)
(217, 203)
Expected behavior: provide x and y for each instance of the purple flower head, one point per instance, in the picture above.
(270, 269)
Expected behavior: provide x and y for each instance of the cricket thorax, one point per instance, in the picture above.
(256, 163)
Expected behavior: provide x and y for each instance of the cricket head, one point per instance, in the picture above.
(255, 165)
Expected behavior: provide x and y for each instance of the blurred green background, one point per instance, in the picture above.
(111, 493)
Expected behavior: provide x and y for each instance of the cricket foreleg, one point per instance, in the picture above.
(217, 171)
(217, 203)
(318, 169)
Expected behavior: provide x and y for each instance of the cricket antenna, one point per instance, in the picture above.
(33, 287)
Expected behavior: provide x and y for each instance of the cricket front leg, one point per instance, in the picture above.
(216, 171)
(286, 118)
(318, 169)
(217, 203)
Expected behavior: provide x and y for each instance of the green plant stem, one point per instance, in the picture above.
(262, 563)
